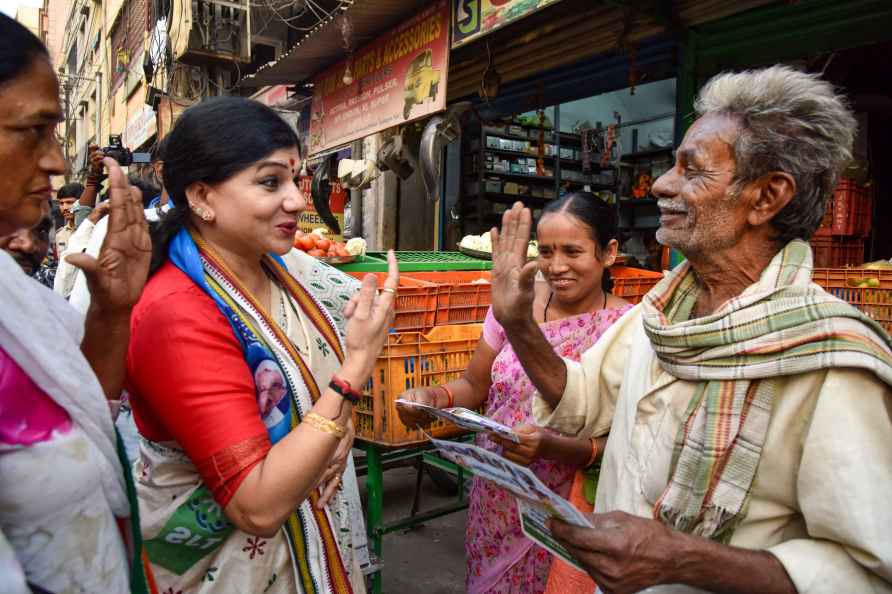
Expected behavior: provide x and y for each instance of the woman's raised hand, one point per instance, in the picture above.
(512, 276)
(116, 278)
(370, 315)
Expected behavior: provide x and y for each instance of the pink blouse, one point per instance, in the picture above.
(27, 414)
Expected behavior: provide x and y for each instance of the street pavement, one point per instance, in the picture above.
(428, 559)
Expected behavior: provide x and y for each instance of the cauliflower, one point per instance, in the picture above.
(479, 243)
(321, 231)
(483, 243)
(356, 246)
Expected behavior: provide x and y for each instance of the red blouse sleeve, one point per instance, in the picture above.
(189, 382)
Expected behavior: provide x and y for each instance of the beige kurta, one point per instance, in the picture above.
(822, 496)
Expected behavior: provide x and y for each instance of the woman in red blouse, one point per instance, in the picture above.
(241, 385)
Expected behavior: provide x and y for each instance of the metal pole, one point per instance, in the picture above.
(99, 108)
(67, 87)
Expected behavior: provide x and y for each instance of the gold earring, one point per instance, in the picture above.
(205, 215)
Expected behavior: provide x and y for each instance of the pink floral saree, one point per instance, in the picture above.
(500, 559)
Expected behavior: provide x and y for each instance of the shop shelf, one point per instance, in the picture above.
(413, 261)
(412, 360)
(875, 302)
(633, 283)
(837, 252)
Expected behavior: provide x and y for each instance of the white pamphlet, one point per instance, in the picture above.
(536, 503)
(464, 418)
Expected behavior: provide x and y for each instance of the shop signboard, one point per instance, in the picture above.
(273, 95)
(472, 19)
(309, 219)
(140, 128)
(399, 78)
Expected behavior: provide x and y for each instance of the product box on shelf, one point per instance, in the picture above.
(493, 186)
(493, 142)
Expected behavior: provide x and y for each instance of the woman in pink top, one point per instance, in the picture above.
(577, 244)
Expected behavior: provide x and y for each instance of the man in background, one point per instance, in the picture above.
(30, 249)
(67, 196)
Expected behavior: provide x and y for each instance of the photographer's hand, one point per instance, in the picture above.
(95, 176)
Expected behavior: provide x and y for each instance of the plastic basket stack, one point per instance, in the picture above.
(868, 290)
(436, 328)
(839, 241)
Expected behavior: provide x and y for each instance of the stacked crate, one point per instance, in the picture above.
(839, 241)
(436, 328)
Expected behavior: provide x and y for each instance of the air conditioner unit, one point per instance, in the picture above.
(211, 30)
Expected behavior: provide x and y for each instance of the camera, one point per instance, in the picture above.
(123, 155)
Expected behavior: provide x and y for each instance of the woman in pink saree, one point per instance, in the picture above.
(577, 244)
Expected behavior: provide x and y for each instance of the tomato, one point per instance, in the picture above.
(306, 243)
(316, 253)
(342, 251)
(323, 244)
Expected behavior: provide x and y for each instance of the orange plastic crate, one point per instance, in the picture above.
(463, 296)
(849, 211)
(416, 302)
(409, 360)
(837, 252)
(633, 283)
(875, 302)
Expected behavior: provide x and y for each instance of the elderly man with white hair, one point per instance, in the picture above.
(748, 411)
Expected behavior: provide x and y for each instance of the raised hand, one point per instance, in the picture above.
(370, 315)
(512, 276)
(116, 278)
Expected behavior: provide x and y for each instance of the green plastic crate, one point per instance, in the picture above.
(417, 262)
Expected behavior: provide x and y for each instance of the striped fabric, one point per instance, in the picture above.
(780, 326)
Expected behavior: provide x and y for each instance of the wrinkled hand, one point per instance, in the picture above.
(412, 417)
(369, 317)
(622, 553)
(116, 278)
(512, 276)
(532, 443)
(331, 478)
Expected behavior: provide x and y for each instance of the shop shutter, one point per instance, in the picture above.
(563, 35)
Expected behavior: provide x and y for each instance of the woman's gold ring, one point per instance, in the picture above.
(388, 290)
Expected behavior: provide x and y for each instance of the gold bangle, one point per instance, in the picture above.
(317, 421)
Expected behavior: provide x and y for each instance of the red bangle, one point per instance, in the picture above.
(343, 387)
(450, 397)
(595, 452)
